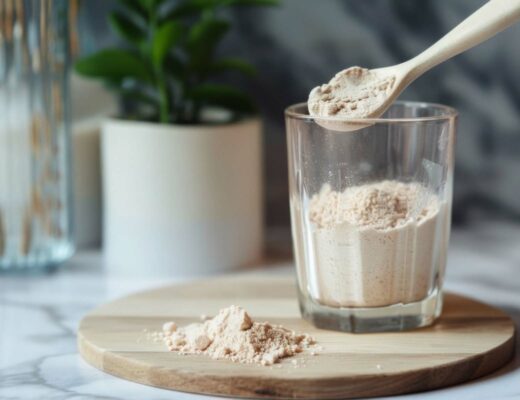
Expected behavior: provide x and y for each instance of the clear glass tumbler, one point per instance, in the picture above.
(35, 173)
(370, 211)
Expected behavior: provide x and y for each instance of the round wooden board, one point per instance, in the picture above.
(471, 339)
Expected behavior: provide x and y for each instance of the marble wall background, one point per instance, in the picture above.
(304, 42)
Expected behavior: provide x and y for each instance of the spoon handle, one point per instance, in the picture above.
(490, 19)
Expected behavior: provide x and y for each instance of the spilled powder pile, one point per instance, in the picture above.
(376, 245)
(233, 335)
(354, 93)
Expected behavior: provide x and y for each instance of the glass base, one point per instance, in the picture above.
(397, 317)
(42, 260)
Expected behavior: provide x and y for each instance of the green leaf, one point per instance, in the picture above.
(202, 41)
(164, 39)
(223, 96)
(113, 65)
(233, 64)
(126, 28)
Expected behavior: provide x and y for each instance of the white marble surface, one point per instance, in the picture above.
(39, 316)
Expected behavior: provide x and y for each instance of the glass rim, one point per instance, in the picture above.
(447, 114)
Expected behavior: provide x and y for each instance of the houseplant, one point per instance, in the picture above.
(182, 164)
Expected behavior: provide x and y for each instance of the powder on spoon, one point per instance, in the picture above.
(233, 335)
(353, 93)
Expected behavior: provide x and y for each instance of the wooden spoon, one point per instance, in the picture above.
(362, 93)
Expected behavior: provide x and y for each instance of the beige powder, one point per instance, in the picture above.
(376, 245)
(233, 335)
(354, 93)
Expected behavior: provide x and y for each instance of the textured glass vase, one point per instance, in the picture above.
(35, 188)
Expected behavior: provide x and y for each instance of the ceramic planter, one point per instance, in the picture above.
(181, 200)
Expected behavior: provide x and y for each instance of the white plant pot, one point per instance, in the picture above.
(181, 200)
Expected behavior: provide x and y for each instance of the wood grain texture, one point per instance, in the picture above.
(470, 340)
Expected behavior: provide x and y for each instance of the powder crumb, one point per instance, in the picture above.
(154, 336)
(203, 317)
(169, 327)
(378, 366)
(233, 335)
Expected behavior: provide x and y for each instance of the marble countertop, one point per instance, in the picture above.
(39, 315)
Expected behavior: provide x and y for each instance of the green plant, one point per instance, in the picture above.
(168, 63)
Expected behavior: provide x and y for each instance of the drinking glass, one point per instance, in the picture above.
(35, 187)
(370, 214)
